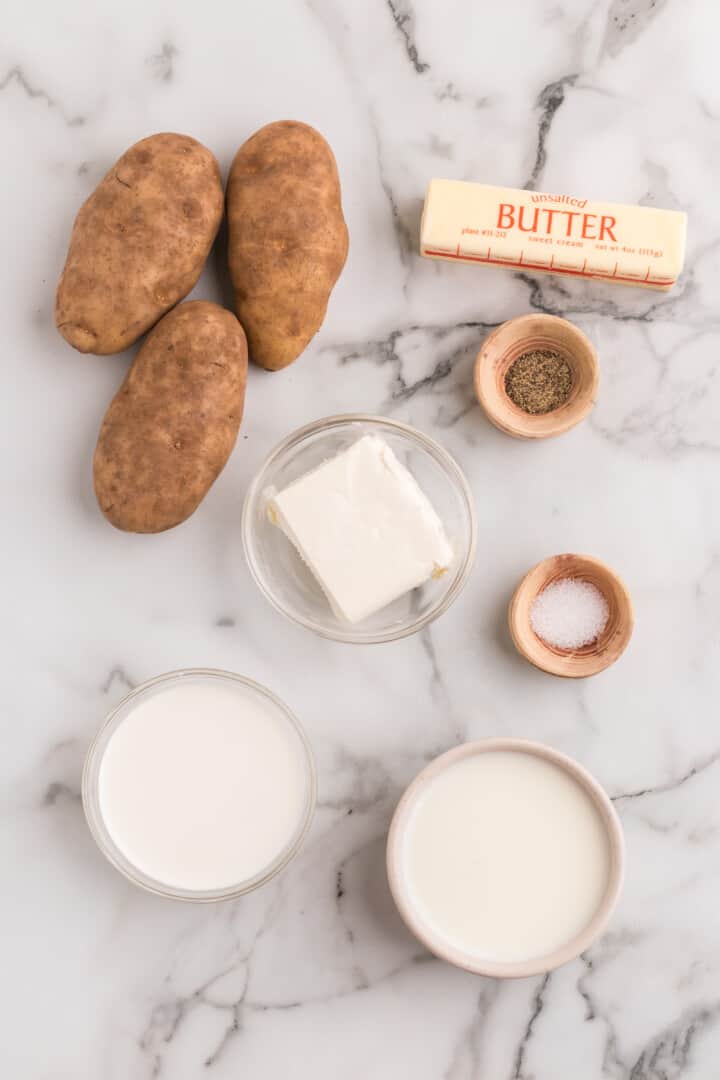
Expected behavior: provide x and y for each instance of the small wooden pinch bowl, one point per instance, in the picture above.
(589, 659)
(526, 334)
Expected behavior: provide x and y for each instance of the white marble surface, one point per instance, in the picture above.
(315, 976)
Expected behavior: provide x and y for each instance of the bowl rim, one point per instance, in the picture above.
(519, 969)
(498, 407)
(101, 834)
(455, 475)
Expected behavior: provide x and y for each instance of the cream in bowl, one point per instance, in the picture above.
(505, 857)
(200, 785)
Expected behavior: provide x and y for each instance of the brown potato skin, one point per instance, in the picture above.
(139, 243)
(287, 238)
(173, 423)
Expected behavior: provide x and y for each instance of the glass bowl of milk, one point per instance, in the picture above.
(505, 858)
(360, 528)
(200, 785)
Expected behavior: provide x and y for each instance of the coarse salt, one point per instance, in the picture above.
(569, 613)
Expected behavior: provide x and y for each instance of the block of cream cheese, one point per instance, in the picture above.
(364, 527)
(554, 234)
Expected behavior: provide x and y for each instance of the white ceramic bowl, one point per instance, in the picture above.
(91, 793)
(433, 940)
(287, 582)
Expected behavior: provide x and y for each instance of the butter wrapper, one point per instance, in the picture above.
(553, 234)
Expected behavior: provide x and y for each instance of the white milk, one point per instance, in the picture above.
(203, 784)
(505, 856)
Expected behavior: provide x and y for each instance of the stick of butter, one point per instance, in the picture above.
(554, 234)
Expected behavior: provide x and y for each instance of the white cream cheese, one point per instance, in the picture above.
(364, 527)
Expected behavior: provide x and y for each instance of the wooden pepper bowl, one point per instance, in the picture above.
(590, 659)
(512, 340)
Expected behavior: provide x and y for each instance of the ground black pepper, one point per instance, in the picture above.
(539, 381)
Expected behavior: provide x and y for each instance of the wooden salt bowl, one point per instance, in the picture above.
(589, 659)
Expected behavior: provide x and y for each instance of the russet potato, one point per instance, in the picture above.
(287, 238)
(139, 243)
(173, 423)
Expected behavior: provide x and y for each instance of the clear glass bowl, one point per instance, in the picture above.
(91, 792)
(283, 576)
